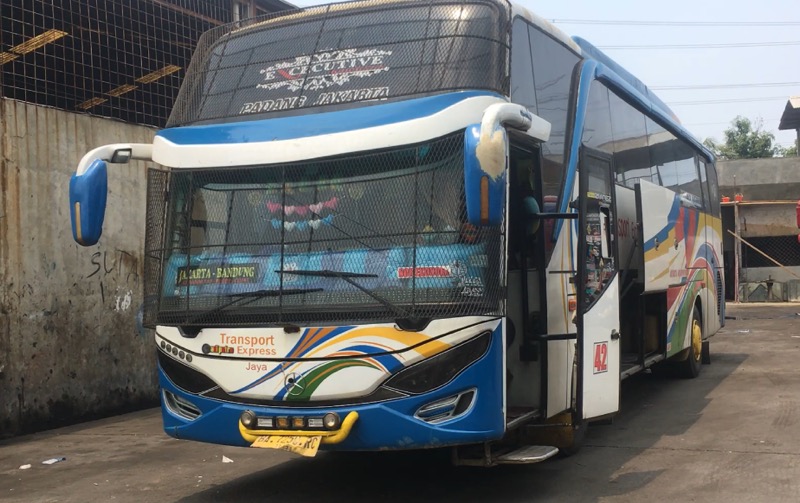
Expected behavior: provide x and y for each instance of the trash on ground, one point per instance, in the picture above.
(743, 331)
(53, 461)
(24, 467)
(226, 459)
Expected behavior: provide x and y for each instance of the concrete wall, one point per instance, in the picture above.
(764, 220)
(762, 274)
(761, 179)
(69, 344)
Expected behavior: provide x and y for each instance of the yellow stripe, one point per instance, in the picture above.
(78, 231)
(666, 271)
(663, 248)
(429, 348)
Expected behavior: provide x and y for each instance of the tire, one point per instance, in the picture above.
(706, 356)
(578, 437)
(690, 367)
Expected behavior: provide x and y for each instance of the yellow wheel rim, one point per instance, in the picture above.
(697, 339)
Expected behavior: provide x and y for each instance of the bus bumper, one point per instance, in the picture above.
(393, 424)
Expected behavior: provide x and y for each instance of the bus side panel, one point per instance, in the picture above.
(678, 258)
(680, 302)
(714, 312)
(663, 246)
(630, 258)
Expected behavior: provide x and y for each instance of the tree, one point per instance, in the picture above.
(745, 140)
(790, 152)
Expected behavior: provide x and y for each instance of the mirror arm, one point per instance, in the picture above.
(517, 117)
(111, 153)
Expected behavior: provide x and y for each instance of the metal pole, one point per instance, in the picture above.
(737, 252)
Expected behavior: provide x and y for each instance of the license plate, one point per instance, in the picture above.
(305, 446)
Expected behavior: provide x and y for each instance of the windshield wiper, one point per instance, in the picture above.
(326, 273)
(252, 297)
(405, 322)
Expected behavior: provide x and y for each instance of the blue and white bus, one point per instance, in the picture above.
(403, 224)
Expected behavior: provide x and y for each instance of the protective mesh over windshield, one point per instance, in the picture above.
(368, 237)
(342, 54)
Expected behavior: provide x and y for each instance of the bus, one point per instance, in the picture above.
(379, 225)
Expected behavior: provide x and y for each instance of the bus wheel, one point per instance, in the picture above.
(690, 368)
(574, 444)
(706, 355)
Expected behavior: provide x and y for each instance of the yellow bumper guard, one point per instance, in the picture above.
(328, 436)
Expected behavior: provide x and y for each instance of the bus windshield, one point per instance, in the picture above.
(335, 56)
(369, 235)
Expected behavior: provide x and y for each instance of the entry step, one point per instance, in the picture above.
(493, 455)
(527, 454)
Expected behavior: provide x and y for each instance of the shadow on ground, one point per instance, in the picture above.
(652, 408)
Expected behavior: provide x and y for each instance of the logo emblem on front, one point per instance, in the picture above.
(292, 384)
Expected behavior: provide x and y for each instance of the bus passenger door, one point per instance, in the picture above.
(598, 289)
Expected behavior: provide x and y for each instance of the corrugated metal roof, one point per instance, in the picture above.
(791, 115)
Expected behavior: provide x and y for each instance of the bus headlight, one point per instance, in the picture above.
(442, 368)
(248, 418)
(331, 420)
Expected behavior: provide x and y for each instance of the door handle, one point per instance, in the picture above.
(614, 335)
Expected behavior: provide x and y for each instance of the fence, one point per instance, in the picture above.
(762, 251)
(115, 58)
(69, 344)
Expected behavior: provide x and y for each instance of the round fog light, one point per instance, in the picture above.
(331, 420)
(248, 418)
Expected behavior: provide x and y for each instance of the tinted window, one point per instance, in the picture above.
(631, 157)
(688, 181)
(553, 66)
(659, 144)
(552, 74)
(522, 91)
(713, 187)
(597, 124)
(332, 58)
(704, 184)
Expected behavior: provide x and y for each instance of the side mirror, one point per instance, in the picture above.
(485, 176)
(88, 187)
(87, 202)
(486, 159)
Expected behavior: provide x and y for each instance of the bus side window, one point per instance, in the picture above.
(631, 155)
(701, 168)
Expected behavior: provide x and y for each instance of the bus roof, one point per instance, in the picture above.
(544, 25)
(587, 50)
(596, 54)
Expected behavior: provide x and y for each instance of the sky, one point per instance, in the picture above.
(773, 56)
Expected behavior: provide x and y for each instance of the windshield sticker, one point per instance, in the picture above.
(252, 346)
(302, 225)
(324, 69)
(303, 210)
(437, 271)
(273, 105)
(197, 275)
(369, 93)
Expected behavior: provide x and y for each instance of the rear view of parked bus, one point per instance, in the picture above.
(410, 224)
